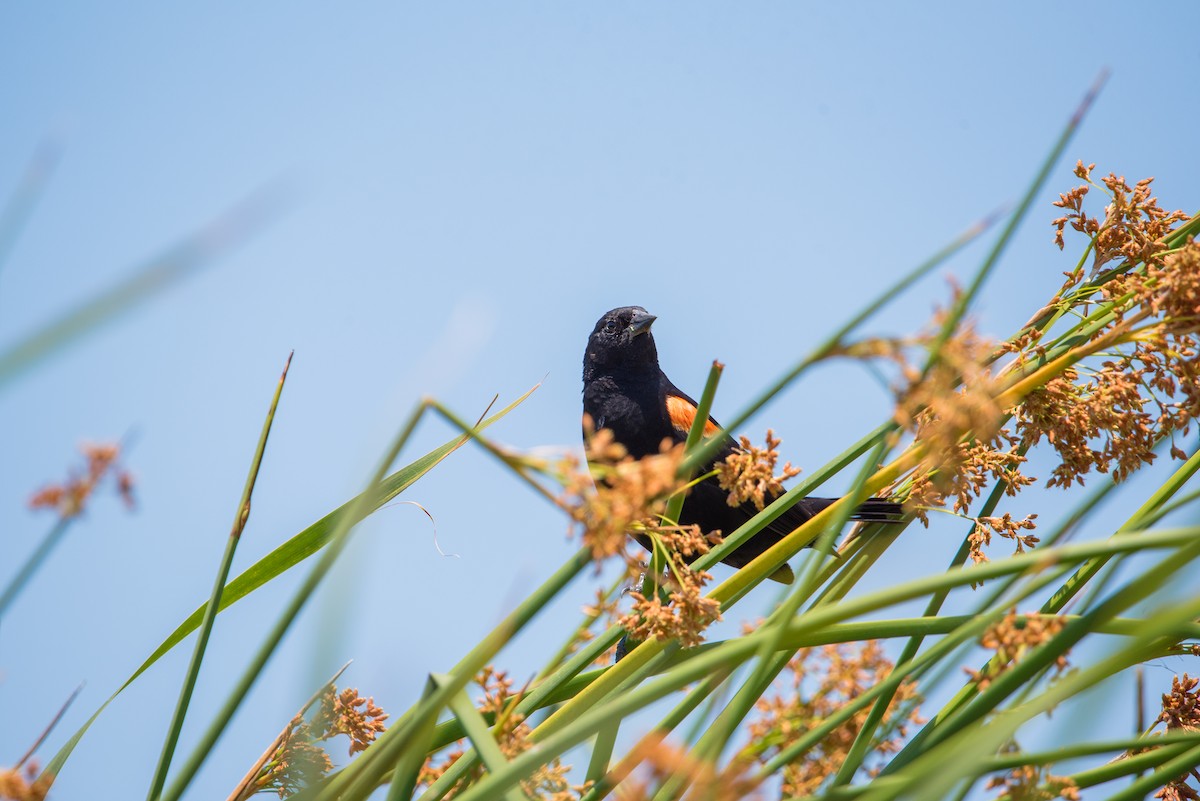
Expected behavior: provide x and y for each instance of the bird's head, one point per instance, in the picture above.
(621, 341)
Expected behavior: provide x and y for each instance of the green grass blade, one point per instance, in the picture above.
(602, 751)
(564, 651)
(862, 741)
(972, 708)
(361, 777)
(963, 628)
(1157, 499)
(938, 768)
(1128, 765)
(291, 611)
(583, 704)
(784, 502)
(695, 435)
(559, 686)
(1068, 590)
(480, 736)
(240, 518)
(573, 723)
(408, 769)
(658, 560)
(1116, 747)
(770, 660)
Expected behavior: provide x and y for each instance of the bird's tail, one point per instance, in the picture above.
(872, 510)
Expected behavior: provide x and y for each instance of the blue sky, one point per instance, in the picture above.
(471, 186)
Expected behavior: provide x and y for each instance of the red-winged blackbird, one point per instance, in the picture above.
(625, 391)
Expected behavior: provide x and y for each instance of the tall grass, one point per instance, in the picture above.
(808, 703)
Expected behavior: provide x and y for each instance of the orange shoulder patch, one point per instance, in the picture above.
(683, 413)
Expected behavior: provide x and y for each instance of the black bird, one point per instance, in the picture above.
(625, 391)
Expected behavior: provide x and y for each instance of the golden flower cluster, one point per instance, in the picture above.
(547, 783)
(1012, 638)
(350, 714)
(749, 473)
(437, 764)
(1109, 419)
(1108, 407)
(684, 615)
(1181, 706)
(954, 397)
(964, 473)
(1133, 227)
(680, 609)
(1106, 417)
(686, 612)
(298, 762)
(299, 758)
(1072, 415)
(822, 681)
(1181, 712)
(1171, 288)
(1178, 790)
(70, 497)
(27, 785)
(1004, 526)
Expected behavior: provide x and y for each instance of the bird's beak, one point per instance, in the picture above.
(641, 323)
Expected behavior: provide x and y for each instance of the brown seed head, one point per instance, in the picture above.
(1004, 526)
(1181, 706)
(1032, 783)
(661, 761)
(818, 682)
(298, 762)
(749, 473)
(16, 785)
(70, 497)
(618, 493)
(1012, 638)
(350, 714)
(547, 783)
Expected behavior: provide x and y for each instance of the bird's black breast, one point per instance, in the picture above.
(631, 406)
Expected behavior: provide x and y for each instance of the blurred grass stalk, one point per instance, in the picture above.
(206, 245)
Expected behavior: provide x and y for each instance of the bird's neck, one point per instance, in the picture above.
(620, 374)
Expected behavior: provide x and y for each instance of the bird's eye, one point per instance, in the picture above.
(610, 327)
